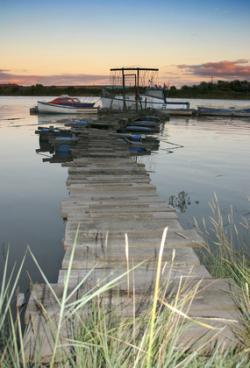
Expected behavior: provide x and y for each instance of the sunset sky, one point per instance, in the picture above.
(77, 42)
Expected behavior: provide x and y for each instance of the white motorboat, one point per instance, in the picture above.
(66, 105)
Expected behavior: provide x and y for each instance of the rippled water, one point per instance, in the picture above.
(214, 157)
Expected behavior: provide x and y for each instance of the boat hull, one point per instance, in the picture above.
(117, 104)
(210, 111)
(48, 108)
(231, 112)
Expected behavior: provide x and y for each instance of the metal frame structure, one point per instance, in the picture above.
(136, 75)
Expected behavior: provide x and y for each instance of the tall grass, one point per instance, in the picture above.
(100, 338)
(228, 256)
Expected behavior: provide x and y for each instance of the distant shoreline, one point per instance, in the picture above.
(238, 98)
(221, 90)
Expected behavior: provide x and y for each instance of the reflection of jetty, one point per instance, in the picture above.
(62, 143)
(110, 195)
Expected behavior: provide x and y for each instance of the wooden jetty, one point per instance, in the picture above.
(111, 195)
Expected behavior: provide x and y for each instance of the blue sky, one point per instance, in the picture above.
(53, 38)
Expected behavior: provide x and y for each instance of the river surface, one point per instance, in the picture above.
(196, 159)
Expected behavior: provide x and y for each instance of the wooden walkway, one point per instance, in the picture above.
(110, 194)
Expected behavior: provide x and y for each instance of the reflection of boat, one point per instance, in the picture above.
(51, 130)
(52, 119)
(66, 105)
(216, 111)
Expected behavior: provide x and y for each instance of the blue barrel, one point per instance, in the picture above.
(135, 137)
(137, 149)
(63, 148)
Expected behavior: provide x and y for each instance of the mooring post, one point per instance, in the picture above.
(123, 89)
(137, 83)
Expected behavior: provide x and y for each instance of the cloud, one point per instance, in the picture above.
(53, 79)
(236, 69)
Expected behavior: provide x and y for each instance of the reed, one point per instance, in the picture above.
(228, 256)
(100, 338)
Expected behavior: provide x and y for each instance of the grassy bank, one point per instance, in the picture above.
(101, 339)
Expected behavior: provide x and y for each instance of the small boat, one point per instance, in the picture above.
(149, 124)
(154, 119)
(231, 111)
(66, 105)
(214, 111)
(77, 123)
(139, 129)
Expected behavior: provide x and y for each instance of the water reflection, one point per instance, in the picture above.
(181, 201)
(214, 158)
(62, 143)
(50, 119)
(58, 142)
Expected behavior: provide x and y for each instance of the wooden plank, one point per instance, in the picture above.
(84, 161)
(113, 201)
(110, 256)
(108, 179)
(41, 299)
(144, 213)
(110, 186)
(127, 216)
(129, 212)
(141, 280)
(136, 238)
(112, 192)
(124, 226)
(39, 340)
(67, 210)
(212, 305)
(109, 165)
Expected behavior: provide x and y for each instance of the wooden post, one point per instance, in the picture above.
(137, 83)
(123, 89)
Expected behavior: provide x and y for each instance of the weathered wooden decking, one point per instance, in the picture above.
(110, 195)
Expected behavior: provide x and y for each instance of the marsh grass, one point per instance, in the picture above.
(101, 339)
(228, 256)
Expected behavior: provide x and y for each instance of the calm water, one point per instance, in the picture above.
(214, 157)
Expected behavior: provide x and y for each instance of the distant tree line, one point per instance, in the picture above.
(221, 89)
(41, 90)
